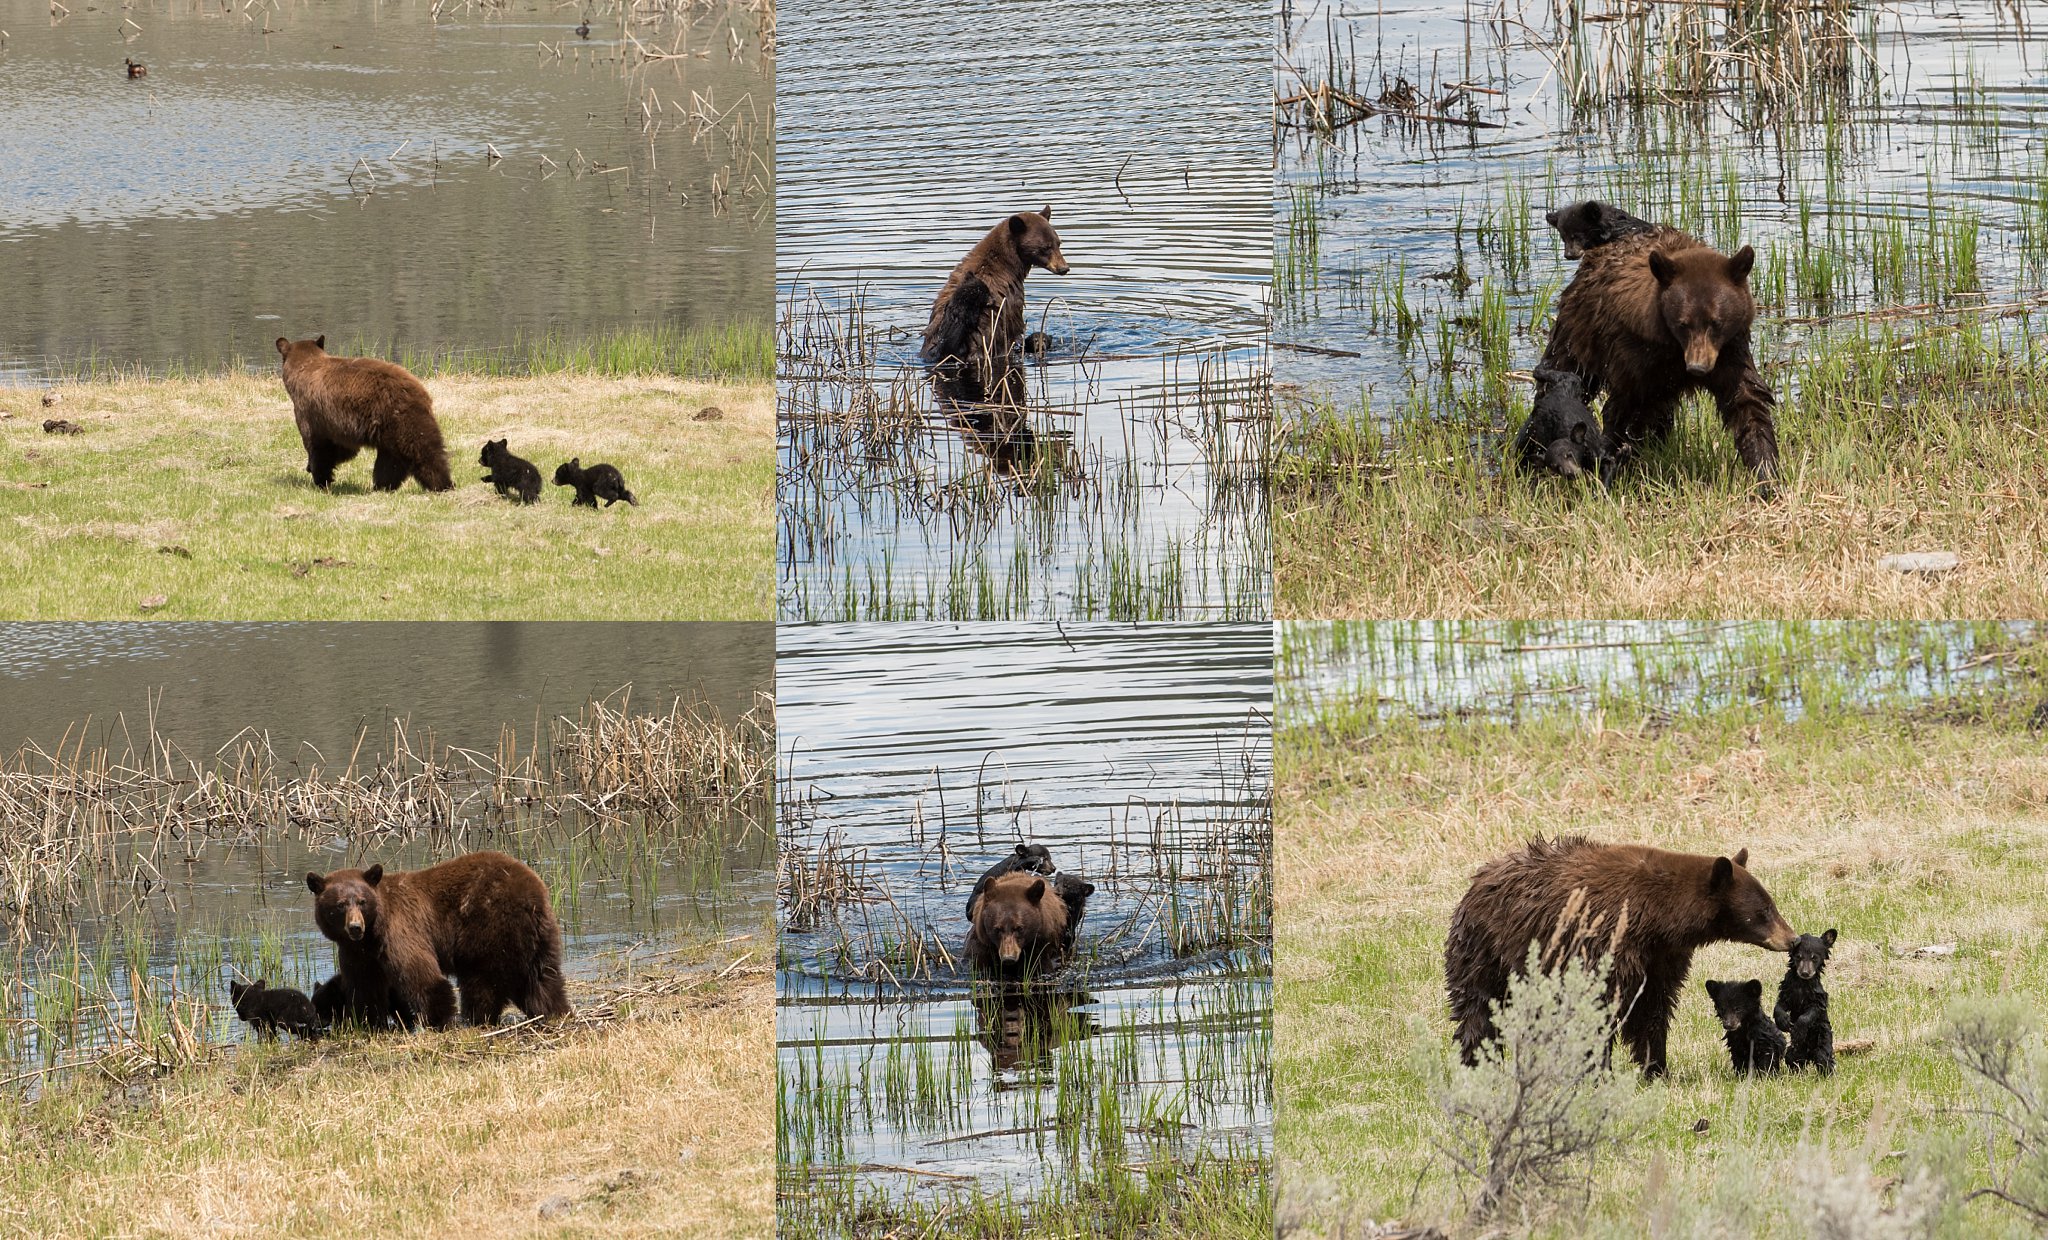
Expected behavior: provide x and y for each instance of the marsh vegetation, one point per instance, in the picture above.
(1881, 161)
(1128, 1092)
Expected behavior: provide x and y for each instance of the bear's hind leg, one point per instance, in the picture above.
(390, 471)
(482, 1004)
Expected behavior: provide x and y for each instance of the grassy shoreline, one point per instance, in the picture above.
(187, 498)
(648, 1114)
(1903, 825)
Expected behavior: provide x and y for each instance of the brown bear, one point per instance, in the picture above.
(979, 315)
(1675, 903)
(1018, 926)
(345, 404)
(1650, 317)
(482, 918)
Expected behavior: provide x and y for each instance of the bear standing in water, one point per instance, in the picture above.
(1653, 316)
(345, 404)
(482, 918)
(1675, 904)
(978, 317)
(1020, 926)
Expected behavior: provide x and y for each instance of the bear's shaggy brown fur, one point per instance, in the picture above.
(482, 918)
(1651, 316)
(1675, 903)
(1019, 925)
(979, 314)
(346, 404)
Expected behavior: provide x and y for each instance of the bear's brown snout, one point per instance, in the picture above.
(353, 925)
(1782, 936)
(1700, 355)
(1057, 264)
(1009, 949)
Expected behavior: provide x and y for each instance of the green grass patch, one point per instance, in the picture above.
(1906, 825)
(188, 499)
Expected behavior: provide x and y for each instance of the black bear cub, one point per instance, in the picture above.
(597, 482)
(1754, 1043)
(1583, 225)
(271, 1010)
(1802, 1007)
(1562, 434)
(337, 1002)
(515, 477)
(1028, 858)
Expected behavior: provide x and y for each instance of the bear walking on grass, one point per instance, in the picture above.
(482, 918)
(1587, 225)
(979, 314)
(1649, 318)
(345, 404)
(1754, 1043)
(1673, 903)
(1019, 926)
(515, 477)
(597, 482)
(337, 1004)
(1561, 434)
(1802, 1007)
(270, 1010)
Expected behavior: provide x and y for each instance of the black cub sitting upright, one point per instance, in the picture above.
(1802, 1007)
(1754, 1044)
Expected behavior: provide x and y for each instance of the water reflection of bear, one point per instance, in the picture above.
(989, 414)
(1022, 1025)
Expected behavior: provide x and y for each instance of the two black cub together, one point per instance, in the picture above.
(1798, 1033)
(517, 478)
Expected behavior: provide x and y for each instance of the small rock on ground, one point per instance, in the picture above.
(1926, 563)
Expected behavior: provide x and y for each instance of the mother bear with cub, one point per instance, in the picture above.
(482, 918)
(1668, 904)
(1652, 314)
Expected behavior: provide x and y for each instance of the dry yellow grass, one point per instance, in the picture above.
(1901, 832)
(657, 1123)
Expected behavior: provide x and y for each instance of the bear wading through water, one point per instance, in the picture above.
(978, 316)
(1675, 904)
(345, 404)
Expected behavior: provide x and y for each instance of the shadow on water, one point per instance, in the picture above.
(427, 178)
(914, 758)
(1154, 380)
(146, 861)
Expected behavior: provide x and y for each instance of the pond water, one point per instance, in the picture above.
(904, 137)
(1898, 177)
(1440, 670)
(191, 907)
(327, 167)
(917, 755)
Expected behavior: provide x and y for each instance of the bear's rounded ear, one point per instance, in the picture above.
(1723, 874)
(1713, 990)
(1829, 937)
(283, 346)
(1047, 213)
(1022, 851)
(1662, 267)
(374, 874)
(1578, 432)
(1739, 265)
(1742, 857)
(1036, 891)
(320, 342)
(1018, 225)
(315, 883)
